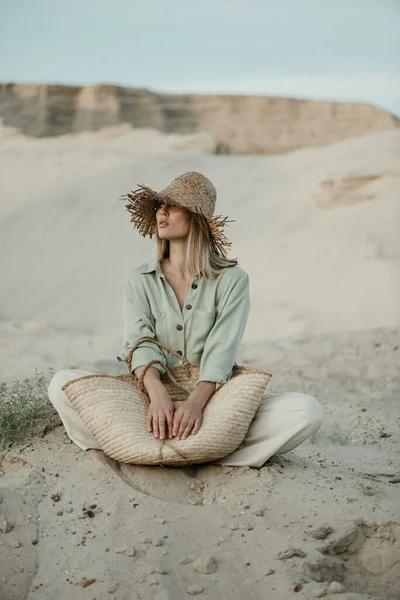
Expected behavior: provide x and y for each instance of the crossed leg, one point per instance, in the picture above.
(283, 421)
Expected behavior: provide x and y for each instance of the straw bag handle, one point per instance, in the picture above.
(185, 362)
(146, 367)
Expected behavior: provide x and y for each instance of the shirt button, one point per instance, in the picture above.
(194, 286)
(179, 352)
(179, 327)
(188, 306)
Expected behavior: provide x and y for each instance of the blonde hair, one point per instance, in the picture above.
(201, 257)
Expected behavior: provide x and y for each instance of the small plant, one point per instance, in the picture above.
(334, 434)
(314, 437)
(22, 405)
(338, 436)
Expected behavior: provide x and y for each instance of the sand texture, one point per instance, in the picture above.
(318, 232)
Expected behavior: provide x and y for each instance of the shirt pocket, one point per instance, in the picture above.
(202, 322)
(207, 314)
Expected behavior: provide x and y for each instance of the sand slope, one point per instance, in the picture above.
(317, 230)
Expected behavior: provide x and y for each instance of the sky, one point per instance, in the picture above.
(324, 49)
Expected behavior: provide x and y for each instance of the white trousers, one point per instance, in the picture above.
(282, 422)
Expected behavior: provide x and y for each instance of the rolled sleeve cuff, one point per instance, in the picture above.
(141, 357)
(216, 376)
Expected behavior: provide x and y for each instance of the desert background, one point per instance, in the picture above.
(313, 186)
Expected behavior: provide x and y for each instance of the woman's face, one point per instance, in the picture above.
(172, 222)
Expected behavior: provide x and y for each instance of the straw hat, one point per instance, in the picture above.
(192, 191)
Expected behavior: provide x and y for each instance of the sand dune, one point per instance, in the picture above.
(317, 230)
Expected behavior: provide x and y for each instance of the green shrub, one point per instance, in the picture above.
(23, 405)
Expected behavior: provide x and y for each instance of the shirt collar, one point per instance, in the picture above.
(154, 266)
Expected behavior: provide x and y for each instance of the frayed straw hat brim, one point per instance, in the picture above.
(142, 205)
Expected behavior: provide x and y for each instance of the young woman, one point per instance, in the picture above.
(195, 300)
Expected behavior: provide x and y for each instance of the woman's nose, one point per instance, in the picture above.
(163, 209)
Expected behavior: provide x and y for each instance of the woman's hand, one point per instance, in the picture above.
(187, 419)
(189, 415)
(160, 414)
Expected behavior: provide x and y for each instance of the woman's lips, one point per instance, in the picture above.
(163, 224)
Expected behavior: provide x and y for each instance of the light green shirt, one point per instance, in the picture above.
(207, 331)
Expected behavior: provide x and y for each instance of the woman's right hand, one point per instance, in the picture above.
(161, 413)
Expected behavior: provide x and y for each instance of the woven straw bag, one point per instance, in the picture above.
(114, 408)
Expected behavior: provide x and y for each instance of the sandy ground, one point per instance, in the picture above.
(320, 520)
(348, 480)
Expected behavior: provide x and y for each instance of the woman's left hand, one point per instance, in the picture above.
(187, 419)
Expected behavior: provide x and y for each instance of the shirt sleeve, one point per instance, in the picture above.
(223, 341)
(138, 323)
